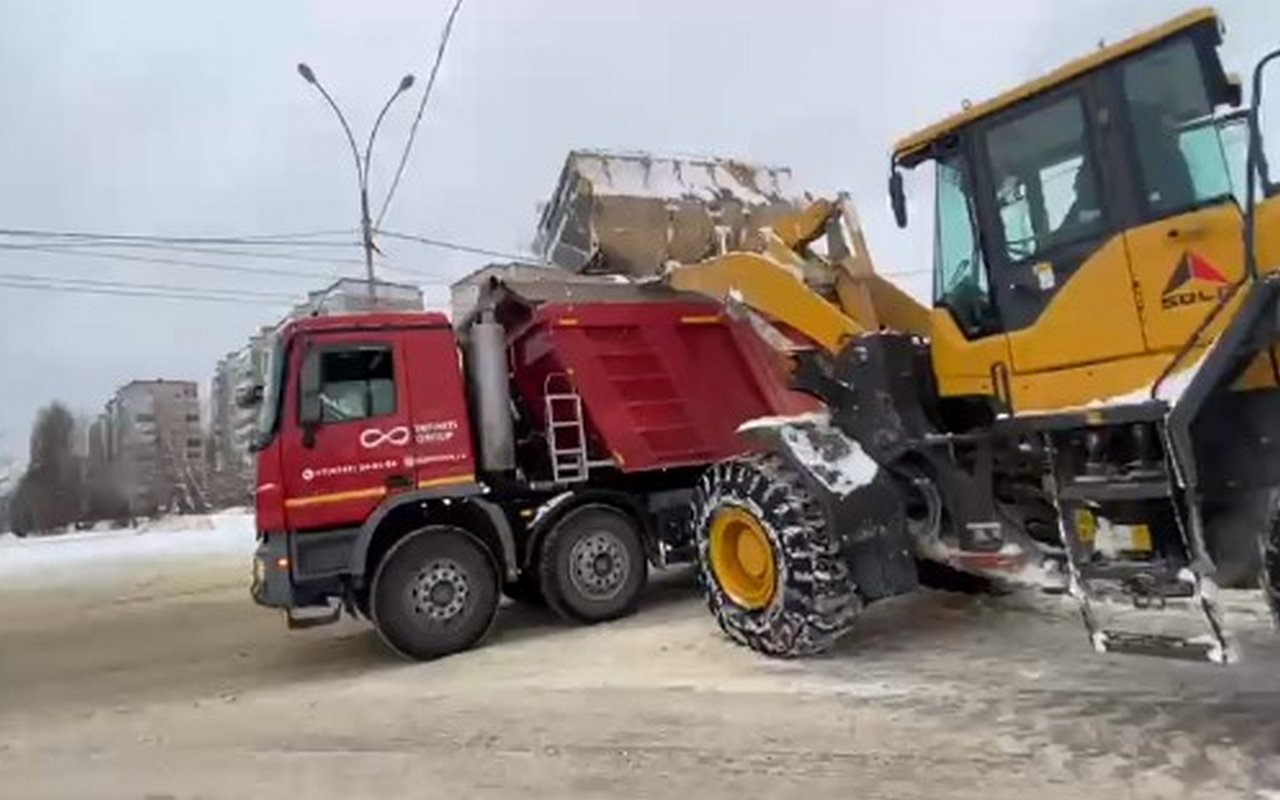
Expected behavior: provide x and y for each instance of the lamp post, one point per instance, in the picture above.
(362, 164)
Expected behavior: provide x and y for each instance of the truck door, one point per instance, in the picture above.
(347, 430)
(441, 452)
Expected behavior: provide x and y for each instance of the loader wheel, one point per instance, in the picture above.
(593, 565)
(772, 569)
(435, 592)
(1271, 565)
(1233, 528)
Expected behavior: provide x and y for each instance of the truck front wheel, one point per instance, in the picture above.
(593, 565)
(434, 593)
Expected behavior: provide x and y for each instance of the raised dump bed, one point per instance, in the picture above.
(661, 385)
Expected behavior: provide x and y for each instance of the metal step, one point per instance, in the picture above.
(1211, 646)
(1148, 585)
(311, 616)
(1157, 573)
(1103, 491)
(1204, 648)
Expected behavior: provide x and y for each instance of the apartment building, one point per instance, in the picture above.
(148, 443)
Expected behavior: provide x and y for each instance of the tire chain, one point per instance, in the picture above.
(817, 601)
(1271, 565)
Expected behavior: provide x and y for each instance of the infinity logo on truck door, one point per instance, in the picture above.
(396, 437)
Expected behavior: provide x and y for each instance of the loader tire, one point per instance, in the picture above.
(1233, 530)
(1271, 566)
(772, 569)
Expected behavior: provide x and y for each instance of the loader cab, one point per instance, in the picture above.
(1083, 221)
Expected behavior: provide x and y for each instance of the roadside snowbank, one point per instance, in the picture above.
(161, 540)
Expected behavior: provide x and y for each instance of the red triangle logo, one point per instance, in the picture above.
(1201, 269)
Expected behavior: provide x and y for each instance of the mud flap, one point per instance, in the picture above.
(863, 503)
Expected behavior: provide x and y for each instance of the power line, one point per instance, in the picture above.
(65, 250)
(77, 248)
(124, 292)
(162, 287)
(462, 248)
(259, 240)
(80, 245)
(67, 241)
(426, 95)
(173, 262)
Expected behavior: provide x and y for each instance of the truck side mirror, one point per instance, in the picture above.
(309, 406)
(898, 198)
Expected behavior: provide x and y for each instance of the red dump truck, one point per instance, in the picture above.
(410, 473)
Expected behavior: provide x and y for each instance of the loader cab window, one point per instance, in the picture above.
(1179, 144)
(960, 282)
(1046, 187)
(356, 382)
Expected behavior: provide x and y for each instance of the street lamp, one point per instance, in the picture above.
(362, 164)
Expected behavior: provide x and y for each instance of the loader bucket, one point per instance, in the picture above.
(861, 503)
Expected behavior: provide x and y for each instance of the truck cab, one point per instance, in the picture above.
(376, 407)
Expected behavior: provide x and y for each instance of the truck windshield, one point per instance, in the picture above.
(272, 393)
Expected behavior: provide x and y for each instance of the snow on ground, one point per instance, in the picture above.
(165, 539)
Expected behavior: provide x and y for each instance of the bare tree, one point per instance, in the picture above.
(50, 493)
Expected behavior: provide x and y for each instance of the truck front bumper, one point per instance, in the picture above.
(272, 582)
(307, 575)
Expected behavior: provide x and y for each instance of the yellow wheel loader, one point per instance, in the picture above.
(1091, 405)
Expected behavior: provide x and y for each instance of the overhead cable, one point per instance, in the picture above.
(422, 107)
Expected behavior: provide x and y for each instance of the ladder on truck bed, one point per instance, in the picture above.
(566, 430)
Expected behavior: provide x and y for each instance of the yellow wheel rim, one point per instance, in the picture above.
(742, 558)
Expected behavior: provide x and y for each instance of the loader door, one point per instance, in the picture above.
(1055, 193)
(968, 341)
(1187, 249)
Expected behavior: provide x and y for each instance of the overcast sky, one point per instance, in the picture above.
(187, 118)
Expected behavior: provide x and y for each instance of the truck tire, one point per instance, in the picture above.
(772, 568)
(435, 592)
(593, 565)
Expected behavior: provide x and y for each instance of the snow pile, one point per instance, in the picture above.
(837, 461)
(643, 175)
(770, 423)
(170, 538)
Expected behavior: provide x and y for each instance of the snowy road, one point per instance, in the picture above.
(150, 674)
